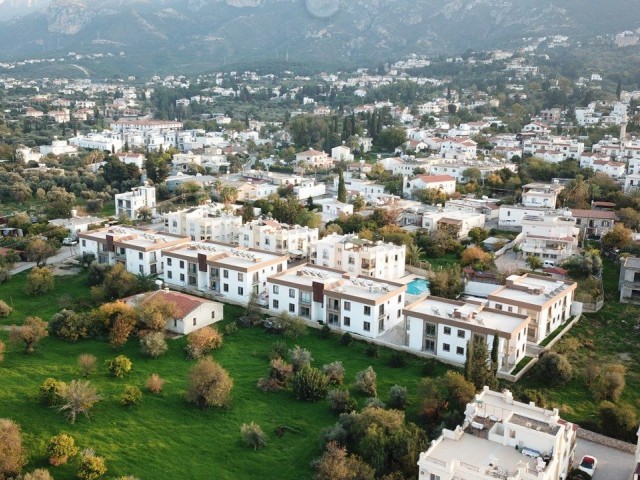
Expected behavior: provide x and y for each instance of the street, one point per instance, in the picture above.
(612, 464)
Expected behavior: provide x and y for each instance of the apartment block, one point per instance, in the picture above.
(502, 438)
(203, 223)
(130, 203)
(546, 300)
(444, 327)
(541, 194)
(594, 223)
(550, 235)
(356, 304)
(274, 236)
(629, 284)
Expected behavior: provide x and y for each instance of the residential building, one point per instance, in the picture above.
(459, 148)
(26, 155)
(485, 206)
(551, 115)
(203, 223)
(455, 223)
(130, 203)
(632, 182)
(551, 235)
(356, 304)
(75, 224)
(546, 300)
(191, 313)
(273, 236)
(541, 194)
(444, 328)
(594, 223)
(629, 284)
(138, 250)
(361, 257)
(59, 147)
(444, 183)
(502, 438)
(221, 269)
(332, 209)
(342, 153)
(457, 168)
(105, 141)
(314, 159)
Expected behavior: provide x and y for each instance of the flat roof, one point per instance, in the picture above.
(524, 282)
(135, 238)
(223, 253)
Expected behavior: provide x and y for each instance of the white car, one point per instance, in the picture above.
(588, 464)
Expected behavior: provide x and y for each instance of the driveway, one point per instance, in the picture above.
(63, 254)
(612, 464)
(509, 263)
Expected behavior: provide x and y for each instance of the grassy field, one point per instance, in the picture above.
(165, 437)
(67, 289)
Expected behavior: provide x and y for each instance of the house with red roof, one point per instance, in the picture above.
(444, 183)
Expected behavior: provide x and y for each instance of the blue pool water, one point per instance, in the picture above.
(417, 286)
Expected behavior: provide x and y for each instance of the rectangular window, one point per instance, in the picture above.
(447, 330)
(367, 326)
(225, 287)
(367, 310)
(84, 243)
(182, 277)
(181, 264)
(168, 262)
(276, 304)
(240, 277)
(175, 322)
(460, 351)
(429, 345)
(213, 314)
(461, 333)
(169, 274)
(446, 347)
(347, 306)
(399, 298)
(225, 273)
(139, 255)
(347, 321)
(194, 321)
(292, 307)
(434, 477)
(240, 291)
(498, 306)
(276, 289)
(429, 329)
(292, 293)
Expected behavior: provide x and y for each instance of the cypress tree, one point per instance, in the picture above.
(342, 189)
(494, 354)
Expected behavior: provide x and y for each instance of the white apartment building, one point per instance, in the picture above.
(546, 300)
(554, 148)
(404, 166)
(26, 155)
(356, 304)
(222, 269)
(456, 223)
(314, 159)
(551, 235)
(130, 203)
(443, 183)
(203, 223)
(273, 236)
(485, 206)
(58, 147)
(444, 327)
(456, 168)
(459, 148)
(632, 182)
(502, 438)
(615, 170)
(541, 194)
(138, 250)
(98, 141)
(342, 153)
(332, 208)
(361, 257)
(629, 284)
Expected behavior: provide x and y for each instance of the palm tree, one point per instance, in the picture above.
(414, 254)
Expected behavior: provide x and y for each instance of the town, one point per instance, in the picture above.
(466, 250)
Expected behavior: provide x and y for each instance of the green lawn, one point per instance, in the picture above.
(446, 260)
(165, 437)
(67, 289)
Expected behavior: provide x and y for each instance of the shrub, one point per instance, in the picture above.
(281, 371)
(334, 372)
(231, 328)
(60, 448)
(366, 382)
(536, 396)
(397, 397)
(253, 436)
(87, 364)
(374, 402)
(268, 384)
(325, 332)
(340, 401)
(12, 455)
(131, 396)
(619, 421)
(69, 326)
(153, 344)
(39, 281)
(290, 326)
(155, 383)
(30, 333)
(310, 384)
(300, 358)
(279, 349)
(373, 351)
(119, 366)
(5, 275)
(346, 339)
(5, 309)
(397, 360)
(610, 382)
(209, 384)
(79, 398)
(38, 474)
(2, 349)
(53, 392)
(554, 368)
(202, 341)
(91, 466)
(429, 367)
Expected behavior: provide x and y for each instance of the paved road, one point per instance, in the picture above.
(612, 464)
(63, 254)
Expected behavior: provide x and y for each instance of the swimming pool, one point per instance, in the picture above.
(418, 286)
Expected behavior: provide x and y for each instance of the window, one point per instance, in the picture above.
(181, 264)
(84, 243)
(168, 262)
(498, 306)
(175, 322)
(399, 298)
(347, 321)
(367, 310)
(292, 307)
(225, 273)
(194, 321)
(461, 333)
(240, 291)
(446, 347)
(434, 477)
(276, 289)
(213, 314)
(367, 326)
(139, 255)
(429, 345)
(447, 330)
(182, 277)
(140, 268)
(460, 350)
(240, 277)
(347, 306)
(225, 287)
(292, 293)
(276, 304)
(169, 274)
(429, 329)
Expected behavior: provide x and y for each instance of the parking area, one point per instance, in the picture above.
(612, 464)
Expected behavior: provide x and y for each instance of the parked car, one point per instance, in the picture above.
(588, 464)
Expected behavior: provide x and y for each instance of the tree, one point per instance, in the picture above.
(60, 448)
(153, 344)
(334, 372)
(495, 351)
(39, 281)
(630, 217)
(87, 364)
(619, 421)
(69, 326)
(202, 341)
(119, 366)
(397, 397)
(30, 333)
(366, 381)
(414, 254)
(390, 138)
(583, 266)
(209, 384)
(472, 174)
(79, 398)
(300, 358)
(340, 400)
(335, 464)
(117, 318)
(12, 454)
(39, 250)
(118, 282)
(291, 327)
(478, 367)
(131, 396)
(310, 384)
(554, 368)
(155, 383)
(91, 466)
(617, 238)
(253, 436)
(342, 189)
(478, 235)
(609, 382)
(38, 474)
(447, 282)
(477, 258)
(53, 392)
(228, 194)
(534, 263)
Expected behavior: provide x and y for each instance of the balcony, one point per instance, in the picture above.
(368, 265)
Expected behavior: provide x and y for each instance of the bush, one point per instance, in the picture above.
(619, 421)
(397, 360)
(131, 396)
(12, 454)
(231, 328)
(5, 275)
(5, 309)
(397, 397)
(325, 332)
(60, 448)
(38, 474)
(253, 436)
(69, 326)
(279, 349)
(310, 384)
(209, 384)
(80, 398)
(340, 401)
(429, 367)
(609, 382)
(53, 392)
(536, 396)
(346, 339)
(39, 281)
(153, 344)
(374, 402)
(119, 366)
(366, 382)
(91, 466)
(334, 372)
(202, 341)
(30, 333)
(554, 368)
(373, 351)
(300, 358)
(2, 349)
(155, 383)
(87, 364)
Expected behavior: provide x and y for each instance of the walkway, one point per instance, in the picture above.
(64, 254)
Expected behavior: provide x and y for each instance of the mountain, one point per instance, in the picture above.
(16, 8)
(196, 35)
